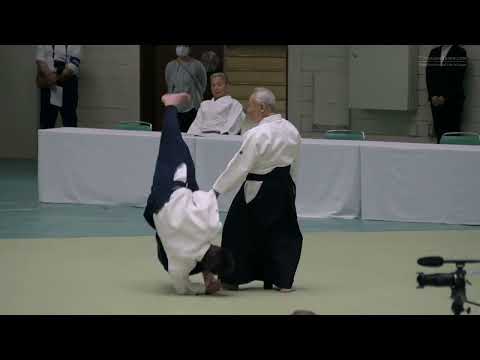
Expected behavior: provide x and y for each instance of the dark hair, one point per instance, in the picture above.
(218, 261)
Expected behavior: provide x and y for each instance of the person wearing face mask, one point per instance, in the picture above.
(220, 115)
(444, 76)
(186, 74)
(261, 228)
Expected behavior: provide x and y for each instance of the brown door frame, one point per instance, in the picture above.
(146, 83)
(150, 111)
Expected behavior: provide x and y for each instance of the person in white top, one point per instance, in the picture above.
(186, 219)
(57, 77)
(261, 228)
(220, 115)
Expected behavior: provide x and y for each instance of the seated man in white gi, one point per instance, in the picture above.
(220, 115)
(261, 229)
(186, 219)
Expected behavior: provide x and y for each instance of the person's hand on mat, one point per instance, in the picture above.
(213, 286)
(175, 99)
(282, 290)
(207, 276)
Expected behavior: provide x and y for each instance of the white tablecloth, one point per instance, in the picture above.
(386, 181)
(97, 166)
(420, 182)
(328, 181)
(115, 167)
(212, 154)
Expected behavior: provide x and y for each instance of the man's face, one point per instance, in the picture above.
(255, 110)
(182, 50)
(218, 87)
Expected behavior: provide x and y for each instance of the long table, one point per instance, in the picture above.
(97, 166)
(115, 167)
(420, 182)
(335, 179)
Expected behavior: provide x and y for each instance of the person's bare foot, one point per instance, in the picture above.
(175, 99)
(282, 290)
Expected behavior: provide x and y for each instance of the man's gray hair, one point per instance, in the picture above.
(220, 75)
(264, 96)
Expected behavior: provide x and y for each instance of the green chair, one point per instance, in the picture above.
(134, 125)
(345, 135)
(460, 138)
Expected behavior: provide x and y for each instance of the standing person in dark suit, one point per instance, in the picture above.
(445, 74)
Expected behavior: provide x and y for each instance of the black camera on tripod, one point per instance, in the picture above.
(437, 280)
(456, 281)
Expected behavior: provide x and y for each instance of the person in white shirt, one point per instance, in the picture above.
(261, 228)
(220, 115)
(57, 77)
(186, 219)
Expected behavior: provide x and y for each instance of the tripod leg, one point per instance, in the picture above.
(457, 306)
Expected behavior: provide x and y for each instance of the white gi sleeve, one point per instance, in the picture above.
(294, 170)
(235, 118)
(238, 168)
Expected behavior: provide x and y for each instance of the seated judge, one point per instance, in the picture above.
(220, 115)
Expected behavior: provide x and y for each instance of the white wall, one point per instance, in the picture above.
(19, 102)
(109, 85)
(308, 62)
(109, 92)
(311, 65)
